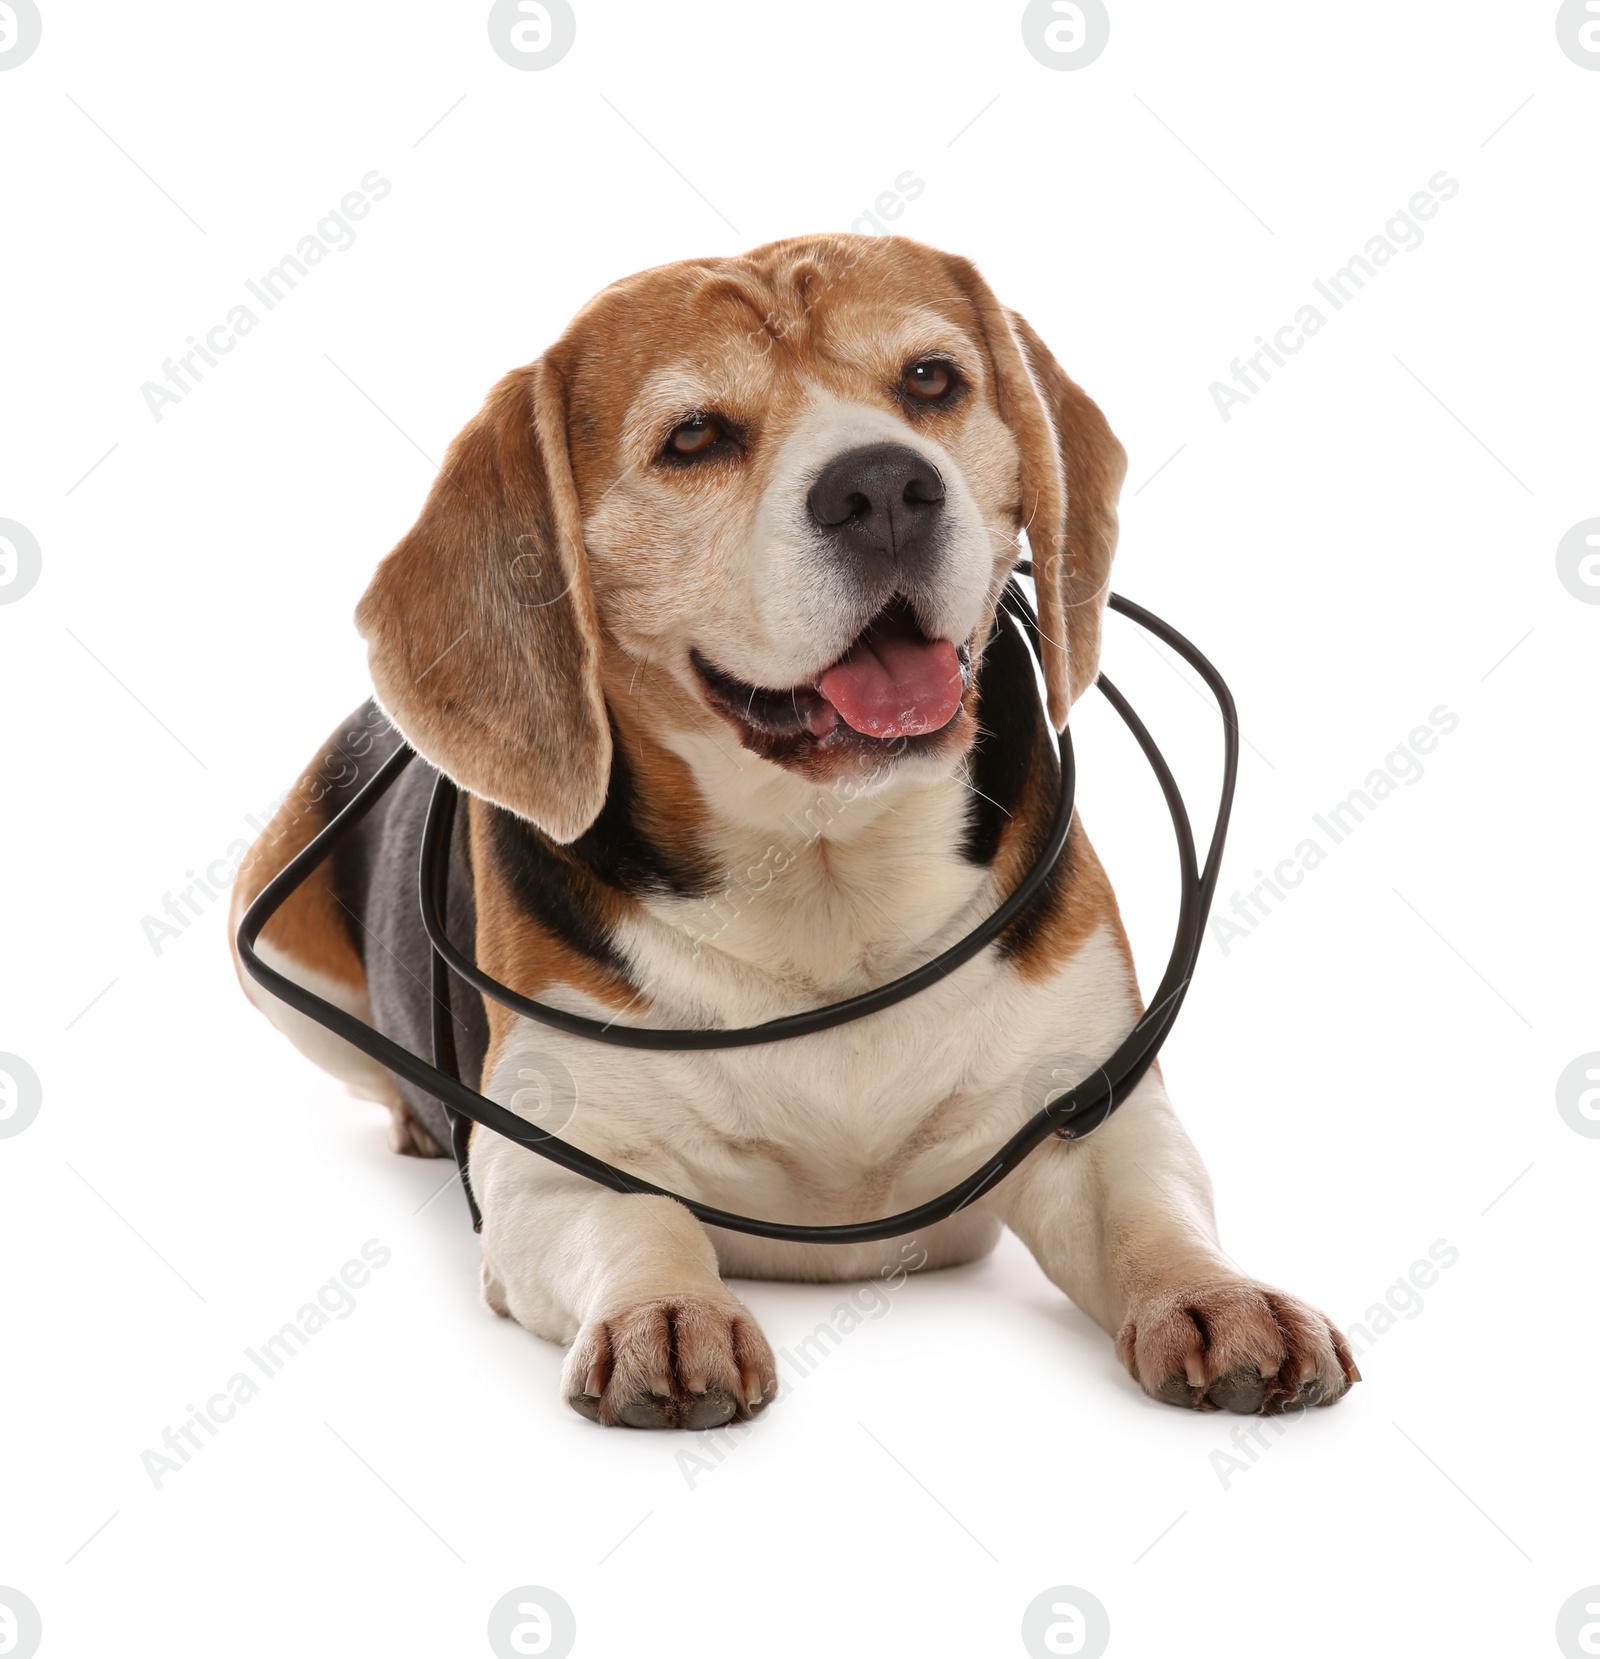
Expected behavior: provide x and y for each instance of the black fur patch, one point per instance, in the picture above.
(1012, 743)
(559, 886)
(1014, 766)
(617, 850)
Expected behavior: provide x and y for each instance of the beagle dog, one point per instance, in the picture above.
(701, 614)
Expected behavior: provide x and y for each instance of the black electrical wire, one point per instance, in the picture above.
(1071, 1115)
(435, 863)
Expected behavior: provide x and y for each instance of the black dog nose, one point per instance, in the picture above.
(882, 498)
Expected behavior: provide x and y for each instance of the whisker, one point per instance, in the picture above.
(965, 784)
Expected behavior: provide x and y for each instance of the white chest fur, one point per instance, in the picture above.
(862, 1120)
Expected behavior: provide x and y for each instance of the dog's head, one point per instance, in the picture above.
(771, 498)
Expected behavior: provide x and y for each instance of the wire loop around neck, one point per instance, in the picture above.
(1071, 1115)
(433, 869)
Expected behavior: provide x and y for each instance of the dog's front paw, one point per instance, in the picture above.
(1235, 1345)
(680, 1362)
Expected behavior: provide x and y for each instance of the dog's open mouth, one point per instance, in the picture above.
(893, 682)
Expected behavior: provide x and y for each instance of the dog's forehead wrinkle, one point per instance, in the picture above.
(774, 306)
(866, 334)
(793, 310)
(702, 383)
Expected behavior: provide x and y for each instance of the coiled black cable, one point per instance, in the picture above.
(1071, 1115)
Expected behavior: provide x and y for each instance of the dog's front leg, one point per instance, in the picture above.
(1123, 1224)
(658, 1341)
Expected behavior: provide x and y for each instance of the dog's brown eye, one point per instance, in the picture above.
(929, 381)
(693, 437)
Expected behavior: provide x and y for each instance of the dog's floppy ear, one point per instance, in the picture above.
(1072, 549)
(1072, 470)
(480, 625)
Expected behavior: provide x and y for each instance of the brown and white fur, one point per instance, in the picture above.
(559, 632)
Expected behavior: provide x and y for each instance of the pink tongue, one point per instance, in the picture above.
(895, 685)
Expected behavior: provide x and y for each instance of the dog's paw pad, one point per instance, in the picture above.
(710, 1410)
(1235, 1346)
(1240, 1391)
(643, 1412)
(672, 1363)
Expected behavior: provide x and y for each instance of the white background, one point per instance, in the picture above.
(1368, 1072)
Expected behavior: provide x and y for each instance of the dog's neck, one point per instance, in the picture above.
(829, 888)
(722, 867)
